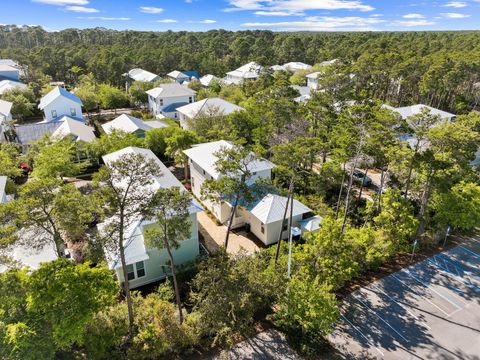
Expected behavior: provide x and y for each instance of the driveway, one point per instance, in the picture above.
(214, 236)
(430, 310)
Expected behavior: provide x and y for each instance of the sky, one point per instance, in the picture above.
(276, 15)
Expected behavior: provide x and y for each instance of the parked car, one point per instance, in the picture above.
(360, 177)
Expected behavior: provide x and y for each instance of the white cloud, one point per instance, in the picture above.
(81, 9)
(206, 21)
(150, 10)
(276, 13)
(105, 18)
(455, 15)
(413, 16)
(297, 6)
(321, 23)
(62, 2)
(411, 23)
(456, 4)
(167, 21)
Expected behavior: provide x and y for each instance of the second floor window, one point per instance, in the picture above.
(73, 112)
(190, 99)
(54, 113)
(161, 102)
(136, 270)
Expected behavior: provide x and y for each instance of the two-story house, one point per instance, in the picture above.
(250, 71)
(263, 217)
(167, 98)
(60, 102)
(211, 107)
(146, 264)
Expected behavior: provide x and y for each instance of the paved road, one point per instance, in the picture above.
(430, 310)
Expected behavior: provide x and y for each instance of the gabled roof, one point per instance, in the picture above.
(9, 62)
(311, 224)
(295, 66)
(142, 75)
(329, 62)
(204, 156)
(407, 111)
(28, 133)
(178, 75)
(248, 71)
(207, 80)
(55, 94)
(171, 90)
(271, 208)
(30, 257)
(134, 241)
(5, 108)
(7, 85)
(212, 106)
(5, 67)
(131, 124)
(76, 128)
(315, 75)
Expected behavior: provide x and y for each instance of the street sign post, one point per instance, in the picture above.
(415, 242)
(446, 235)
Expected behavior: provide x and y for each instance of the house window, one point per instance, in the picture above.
(176, 115)
(73, 112)
(190, 99)
(135, 271)
(54, 113)
(285, 225)
(140, 269)
(203, 172)
(161, 102)
(262, 228)
(192, 182)
(130, 272)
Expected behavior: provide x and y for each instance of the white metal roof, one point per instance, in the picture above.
(314, 75)
(131, 124)
(311, 224)
(277, 67)
(407, 111)
(5, 67)
(134, 241)
(204, 156)
(295, 66)
(7, 85)
(177, 75)
(248, 71)
(5, 107)
(271, 208)
(9, 62)
(207, 80)
(76, 128)
(211, 106)
(171, 90)
(55, 94)
(142, 75)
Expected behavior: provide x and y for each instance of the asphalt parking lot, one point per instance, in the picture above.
(430, 310)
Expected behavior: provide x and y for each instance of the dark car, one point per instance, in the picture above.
(360, 177)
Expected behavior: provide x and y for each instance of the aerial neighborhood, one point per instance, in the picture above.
(154, 209)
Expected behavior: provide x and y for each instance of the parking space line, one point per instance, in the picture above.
(465, 280)
(470, 251)
(358, 330)
(376, 314)
(429, 287)
(428, 300)
(402, 306)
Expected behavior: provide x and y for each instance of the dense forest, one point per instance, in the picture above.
(441, 69)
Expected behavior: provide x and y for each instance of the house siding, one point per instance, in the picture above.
(63, 107)
(155, 107)
(157, 268)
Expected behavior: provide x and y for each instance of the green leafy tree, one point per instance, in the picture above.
(124, 189)
(23, 102)
(116, 140)
(111, 97)
(173, 224)
(177, 143)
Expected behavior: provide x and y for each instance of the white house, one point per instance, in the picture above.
(145, 264)
(250, 71)
(5, 116)
(132, 125)
(291, 66)
(8, 85)
(207, 107)
(142, 75)
(166, 98)
(407, 111)
(207, 80)
(8, 72)
(264, 216)
(74, 128)
(58, 103)
(312, 80)
(178, 76)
